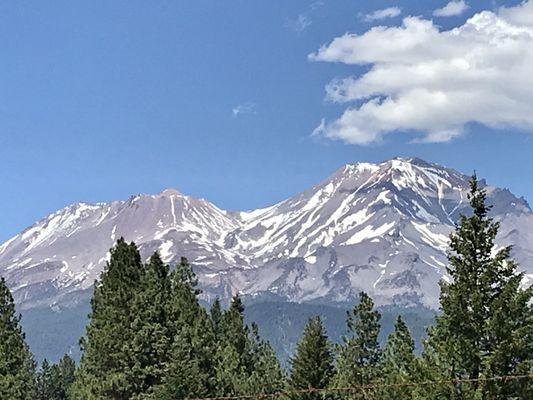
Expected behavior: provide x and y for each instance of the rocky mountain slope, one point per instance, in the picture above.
(381, 227)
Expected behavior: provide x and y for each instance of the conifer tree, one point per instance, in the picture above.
(184, 274)
(47, 382)
(233, 356)
(106, 368)
(399, 364)
(234, 330)
(484, 329)
(151, 336)
(67, 371)
(17, 368)
(266, 375)
(312, 364)
(216, 317)
(360, 352)
(245, 364)
(54, 381)
(189, 369)
(189, 372)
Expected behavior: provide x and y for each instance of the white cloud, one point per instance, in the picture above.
(390, 12)
(244, 108)
(455, 7)
(434, 82)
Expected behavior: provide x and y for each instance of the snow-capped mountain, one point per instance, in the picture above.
(382, 228)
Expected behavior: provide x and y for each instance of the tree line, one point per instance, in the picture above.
(148, 338)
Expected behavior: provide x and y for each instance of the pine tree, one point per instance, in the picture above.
(188, 372)
(399, 364)
(510, 331)
(47, 382)
(485, 326)
(233, 356)
(67, 371)
(234, 330)
(184, 274)
(360, 352)
(54, 380)
(216, 317)
(245, 364)
(106, 368)
(312, 364)
(151, 337)
(17, 368)
(266, 374)
(189, 369)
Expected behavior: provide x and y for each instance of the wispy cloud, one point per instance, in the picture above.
(453, 8)
(299, 24)
(304, 19)
(431, 81)
(244, 108)
(385, 13)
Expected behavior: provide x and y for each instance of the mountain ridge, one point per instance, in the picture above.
(379, 227)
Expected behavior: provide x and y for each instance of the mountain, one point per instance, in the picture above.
(382, 228)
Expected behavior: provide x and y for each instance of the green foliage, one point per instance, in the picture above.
(108, 365)
(399, 364)
(244, 364)
(216, 317)
(54, 381)
(485, 326)
(312, 364)
(265, 375)
(17, 368)
(151, 339)
(189, 369)
(188, 372)
(360, 353)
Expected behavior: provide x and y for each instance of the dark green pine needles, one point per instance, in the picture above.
(312, 364)
(17, 368)
(485, 328)
(108, 367)
(360, 351)
(149, 338)
(54, 380)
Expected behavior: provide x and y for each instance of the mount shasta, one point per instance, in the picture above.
(382, 228)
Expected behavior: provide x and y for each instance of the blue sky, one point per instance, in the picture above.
(218, 99)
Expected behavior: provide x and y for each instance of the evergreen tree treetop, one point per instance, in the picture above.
(17, 367)
(398, 354)
(484, 309)
(108, 360)
(360, 352)
(363, 325)
(312, 363)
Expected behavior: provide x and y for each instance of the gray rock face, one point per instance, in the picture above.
(382, 228)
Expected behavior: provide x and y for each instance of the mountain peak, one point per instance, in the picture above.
(392, 162)
(170, 192)
(411, 160)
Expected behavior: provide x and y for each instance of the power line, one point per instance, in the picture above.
(366, 387)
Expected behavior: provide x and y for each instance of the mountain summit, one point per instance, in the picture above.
(382, 228)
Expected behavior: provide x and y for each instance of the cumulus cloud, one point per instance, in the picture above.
(385, 13)
(456, 7)
(244, 108)
(433, 82)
